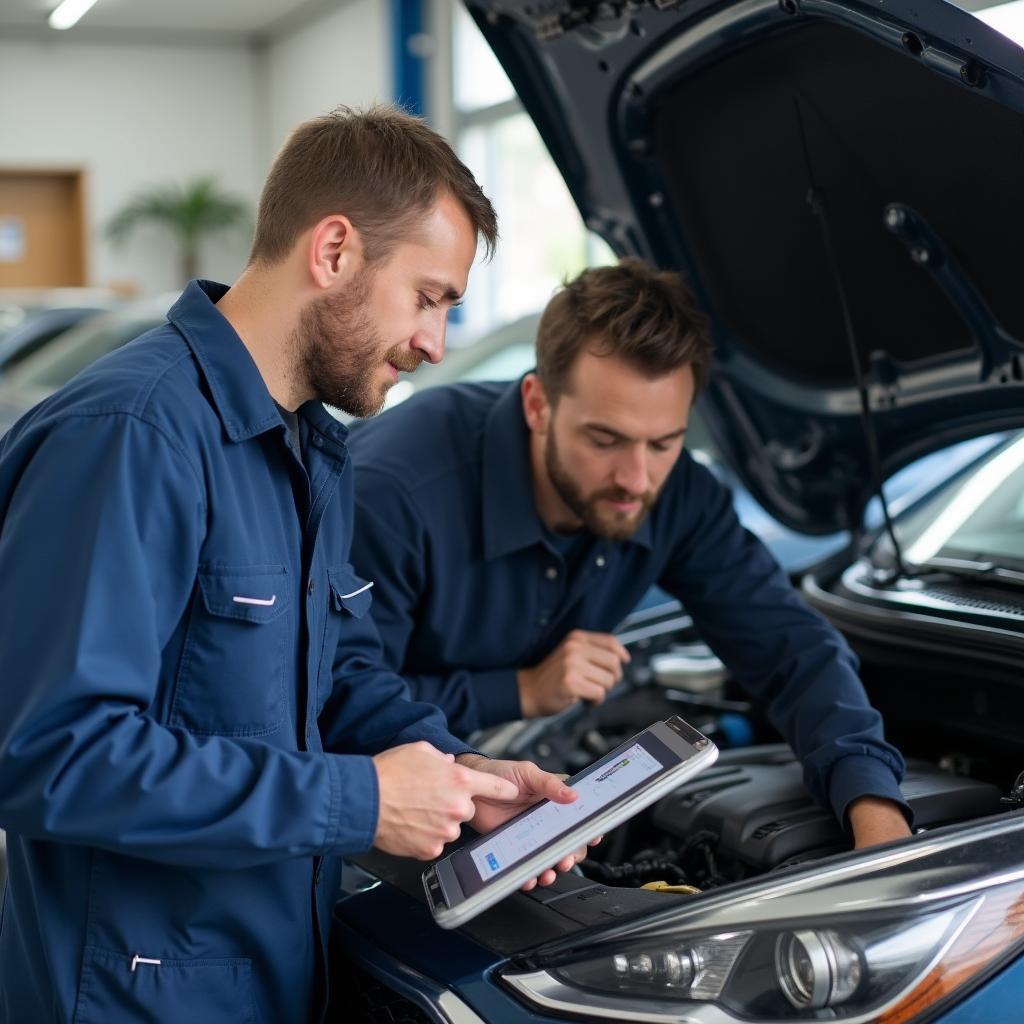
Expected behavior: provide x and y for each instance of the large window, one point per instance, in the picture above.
(1005, 18)
(543, 238)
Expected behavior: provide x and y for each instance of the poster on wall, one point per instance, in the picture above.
(12, 239)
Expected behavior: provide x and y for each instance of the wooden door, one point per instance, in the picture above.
(42, 229)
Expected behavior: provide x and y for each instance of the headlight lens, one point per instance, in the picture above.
(886, 967)
(816, 969)
(698, 970)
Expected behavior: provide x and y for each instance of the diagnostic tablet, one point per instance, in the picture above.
(622, 783)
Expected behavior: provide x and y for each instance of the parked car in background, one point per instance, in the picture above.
(55, 364)
(29, 320)
(840, 181)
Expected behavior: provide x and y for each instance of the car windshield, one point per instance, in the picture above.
(978, 517)
(56, 364)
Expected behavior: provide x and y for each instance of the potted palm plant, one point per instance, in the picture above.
(193, 211)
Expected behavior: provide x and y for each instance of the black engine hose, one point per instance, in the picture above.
(635, 872)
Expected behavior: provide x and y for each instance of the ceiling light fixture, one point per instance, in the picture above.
(67, 13)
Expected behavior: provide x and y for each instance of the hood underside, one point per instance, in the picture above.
(833, 178)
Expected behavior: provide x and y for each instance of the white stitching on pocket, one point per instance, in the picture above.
(265, 602)
(342, 597)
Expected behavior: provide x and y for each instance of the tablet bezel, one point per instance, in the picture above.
(450, 905)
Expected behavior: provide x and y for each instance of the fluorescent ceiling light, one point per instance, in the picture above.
(68, 13)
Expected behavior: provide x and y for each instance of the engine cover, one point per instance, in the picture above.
(755, 803)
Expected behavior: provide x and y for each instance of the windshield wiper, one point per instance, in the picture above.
(985, 573)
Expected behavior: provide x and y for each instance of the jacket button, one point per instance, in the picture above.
(600, 561)
(311, 588)
(551, 572)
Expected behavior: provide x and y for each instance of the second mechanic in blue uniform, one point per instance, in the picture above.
(509, 528)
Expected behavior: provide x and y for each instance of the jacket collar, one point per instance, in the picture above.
(239, 392)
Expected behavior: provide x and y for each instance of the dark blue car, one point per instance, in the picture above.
(842, 182)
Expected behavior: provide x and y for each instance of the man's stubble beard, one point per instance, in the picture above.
(339, 351)
(586, 507)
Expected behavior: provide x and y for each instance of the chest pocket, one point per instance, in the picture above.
(232, 674)
(351, 599)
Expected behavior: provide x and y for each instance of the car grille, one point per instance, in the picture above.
(976, 603)
(357, 997)
(921, 596)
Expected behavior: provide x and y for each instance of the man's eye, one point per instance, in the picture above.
(659, 446)
(598, 442)
(426, 302)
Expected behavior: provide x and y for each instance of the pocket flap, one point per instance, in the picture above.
(252, 593)
(351, 593)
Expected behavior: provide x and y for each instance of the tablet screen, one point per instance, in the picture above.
(615, 776)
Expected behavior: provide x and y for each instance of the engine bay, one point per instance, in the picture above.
(747, 815)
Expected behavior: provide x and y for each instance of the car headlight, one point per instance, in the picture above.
(883, 965)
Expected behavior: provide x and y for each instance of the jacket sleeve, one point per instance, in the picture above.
(102, 520)
(390, 548)
(371, 707)
(784, 654)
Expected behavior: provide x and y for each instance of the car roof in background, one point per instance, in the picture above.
(141, 314)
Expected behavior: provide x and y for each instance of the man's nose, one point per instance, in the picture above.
(429, 339)
(631, 471)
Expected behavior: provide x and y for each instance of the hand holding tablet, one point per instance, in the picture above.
(612, 790)
(534, 784)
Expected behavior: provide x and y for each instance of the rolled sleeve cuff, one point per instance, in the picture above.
(497, 695)
(861, 775)
(449, 744)
(354, 804)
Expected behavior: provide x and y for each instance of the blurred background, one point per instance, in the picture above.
(135, 135)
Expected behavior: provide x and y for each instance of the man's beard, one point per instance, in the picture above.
(587, 508)
(339, 352)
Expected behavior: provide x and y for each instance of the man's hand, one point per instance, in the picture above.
(584, 666)
(424, 798)
(533, 785)
(876, 820)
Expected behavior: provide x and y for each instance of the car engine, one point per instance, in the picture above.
(748, 814)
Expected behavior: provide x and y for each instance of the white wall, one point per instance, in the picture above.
(343, 56)
(133, 116)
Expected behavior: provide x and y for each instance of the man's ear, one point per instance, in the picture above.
(334, 251)
(536, 408)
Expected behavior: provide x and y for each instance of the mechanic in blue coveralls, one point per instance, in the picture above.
(193, 712)
(509, 527)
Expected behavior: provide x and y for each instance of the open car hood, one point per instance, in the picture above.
(804, 163)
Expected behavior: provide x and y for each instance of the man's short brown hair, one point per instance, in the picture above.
(382, 168)
(645, 316)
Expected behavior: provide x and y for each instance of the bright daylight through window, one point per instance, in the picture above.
(543, 238)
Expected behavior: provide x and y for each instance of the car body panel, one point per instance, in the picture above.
(997, 1001)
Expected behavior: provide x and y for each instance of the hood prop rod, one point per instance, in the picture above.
(817, 204)
(999, 348)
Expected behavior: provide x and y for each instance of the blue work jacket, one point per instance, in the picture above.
(470, 586)
(191, 690)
